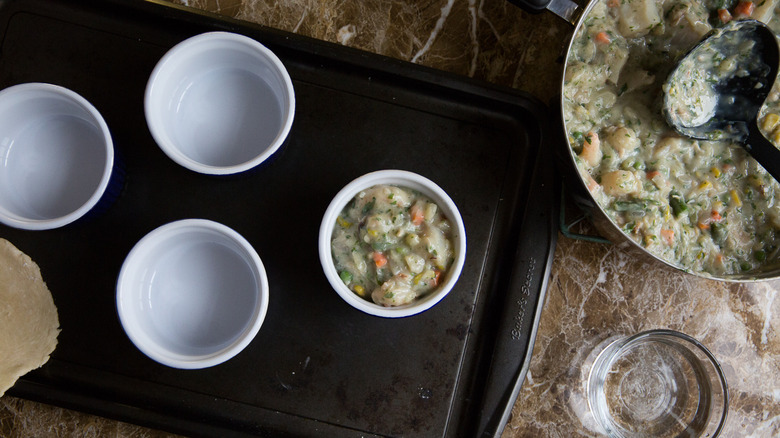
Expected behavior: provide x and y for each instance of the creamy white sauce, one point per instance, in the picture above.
(691, 93)
(392, 245)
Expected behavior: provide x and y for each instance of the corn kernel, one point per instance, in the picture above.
(342, 222)
(715, 171)
(359, 290)
(735, 198)
(667, 213)
(705, 185)
(776, 136)
(424, 276)
(770, 122)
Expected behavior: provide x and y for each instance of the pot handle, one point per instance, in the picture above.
(565, 226)
(566, 9)
(532, 6)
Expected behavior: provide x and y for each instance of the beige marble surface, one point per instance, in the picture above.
(596, 290)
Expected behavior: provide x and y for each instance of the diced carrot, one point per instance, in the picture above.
(602, 38)
(652, 174)
(719, 258)
(668, 236)
(436, 277)
(744, 9)
(724, 15)
(379, 259)
(417, 215)
(613, 3)
(716, 216)
(704, 225)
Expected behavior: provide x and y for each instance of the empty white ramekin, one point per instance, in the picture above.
(219, 103)
(192, 294)
(56, 156)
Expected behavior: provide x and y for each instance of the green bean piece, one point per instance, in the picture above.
(719, 232)
(677, 203)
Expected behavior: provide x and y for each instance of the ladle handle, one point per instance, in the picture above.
(767, 155)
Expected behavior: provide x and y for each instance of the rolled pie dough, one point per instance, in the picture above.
(29, 324)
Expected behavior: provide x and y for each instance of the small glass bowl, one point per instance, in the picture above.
(658, 383)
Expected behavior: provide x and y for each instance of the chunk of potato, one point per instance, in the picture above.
(666, 146)
(638, 17)
(623, 140)
(765, 10)
(620, 183)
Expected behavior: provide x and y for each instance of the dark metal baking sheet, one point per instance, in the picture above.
(317, 367)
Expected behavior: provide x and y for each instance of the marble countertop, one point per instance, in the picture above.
(595, 290)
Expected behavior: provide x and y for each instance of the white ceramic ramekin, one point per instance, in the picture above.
(192, 294)
(56, 156)
(409, 180)
(219, 103)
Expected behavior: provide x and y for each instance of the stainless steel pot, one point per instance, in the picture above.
(576, 187)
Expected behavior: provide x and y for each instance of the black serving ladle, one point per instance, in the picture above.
(739, 96)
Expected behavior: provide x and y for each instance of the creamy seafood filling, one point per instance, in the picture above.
(705, 206)
(392, 245)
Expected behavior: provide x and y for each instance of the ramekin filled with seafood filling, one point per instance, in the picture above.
(392, 243)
